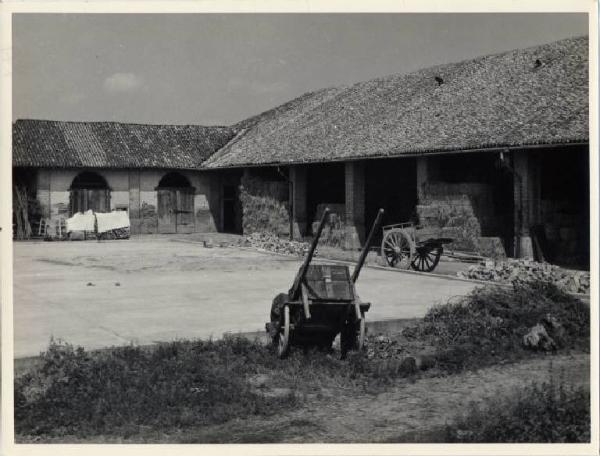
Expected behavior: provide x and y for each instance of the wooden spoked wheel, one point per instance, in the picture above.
(397, 248)
(283, 336)
(362, 330)
(352, 336)
(426, 258)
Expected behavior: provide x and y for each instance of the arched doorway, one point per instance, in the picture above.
(89, 191)
(175, 197)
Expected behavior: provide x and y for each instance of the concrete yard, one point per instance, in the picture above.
(148, 289)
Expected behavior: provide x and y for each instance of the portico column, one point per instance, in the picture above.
(298, 201)
(355, 205)
(134, 201)
(422, 178)
(526, 200)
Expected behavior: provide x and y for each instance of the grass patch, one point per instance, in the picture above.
(549, 412)
(174, 385)
(130, 391)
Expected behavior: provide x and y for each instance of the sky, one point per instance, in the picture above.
(218, 69)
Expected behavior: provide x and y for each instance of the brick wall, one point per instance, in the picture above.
(133, 190)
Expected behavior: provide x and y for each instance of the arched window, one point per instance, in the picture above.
(89, 191)
(175, 197)
(174, 180)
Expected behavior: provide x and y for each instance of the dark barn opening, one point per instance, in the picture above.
(325, 187)
(390, 184)
(231, 206)
(565, 205)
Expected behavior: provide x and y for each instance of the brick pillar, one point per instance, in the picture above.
(43, 191)
(526, 200)
(298, 201)
(135, 218)
(422, 178)
(355, 205)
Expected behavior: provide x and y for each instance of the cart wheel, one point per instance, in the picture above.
(283, 336)
(362, 330)
(352, 336)
(397, 248)
(426, 259)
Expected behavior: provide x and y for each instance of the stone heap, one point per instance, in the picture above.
(273, 243)
(527, 270)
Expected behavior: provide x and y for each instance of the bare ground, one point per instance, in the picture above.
(407, 408)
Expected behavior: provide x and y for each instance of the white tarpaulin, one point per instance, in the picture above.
(112, 220)
(81, 221)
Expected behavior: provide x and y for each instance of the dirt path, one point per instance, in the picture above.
(409, 408)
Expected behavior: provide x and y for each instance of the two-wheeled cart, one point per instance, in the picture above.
(406, 246)
(321, 304)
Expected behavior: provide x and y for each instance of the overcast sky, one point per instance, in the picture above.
(219, 69)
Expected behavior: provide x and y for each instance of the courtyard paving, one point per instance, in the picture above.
(150, 289)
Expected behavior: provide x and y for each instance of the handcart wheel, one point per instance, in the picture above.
(397, 248)
(362, 329)
(283, 336)
(352, 336)
(426, 258)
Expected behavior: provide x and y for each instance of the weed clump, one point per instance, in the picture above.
(548, 412)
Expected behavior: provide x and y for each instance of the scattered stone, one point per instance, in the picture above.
(538, 339)
(273, 243)
(528, 270)
(117, 284)
(555, 329)
(259, 380)
(90, 284)
(208, 244)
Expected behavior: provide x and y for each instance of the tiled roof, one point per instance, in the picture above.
(43, 143)
(524, 97)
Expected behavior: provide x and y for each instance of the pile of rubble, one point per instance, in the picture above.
(382, 347)
(527, 270)
(272, 243)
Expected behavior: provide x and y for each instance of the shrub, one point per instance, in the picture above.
(491, 321)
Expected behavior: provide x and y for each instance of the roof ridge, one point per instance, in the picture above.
(114, 122)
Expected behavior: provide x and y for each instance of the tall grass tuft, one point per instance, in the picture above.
(549, 412)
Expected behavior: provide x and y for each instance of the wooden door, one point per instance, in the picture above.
(185, 211)
(167, 205)
(83, 199)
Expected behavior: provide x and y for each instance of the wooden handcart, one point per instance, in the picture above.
(405, 246)
(321, 304)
